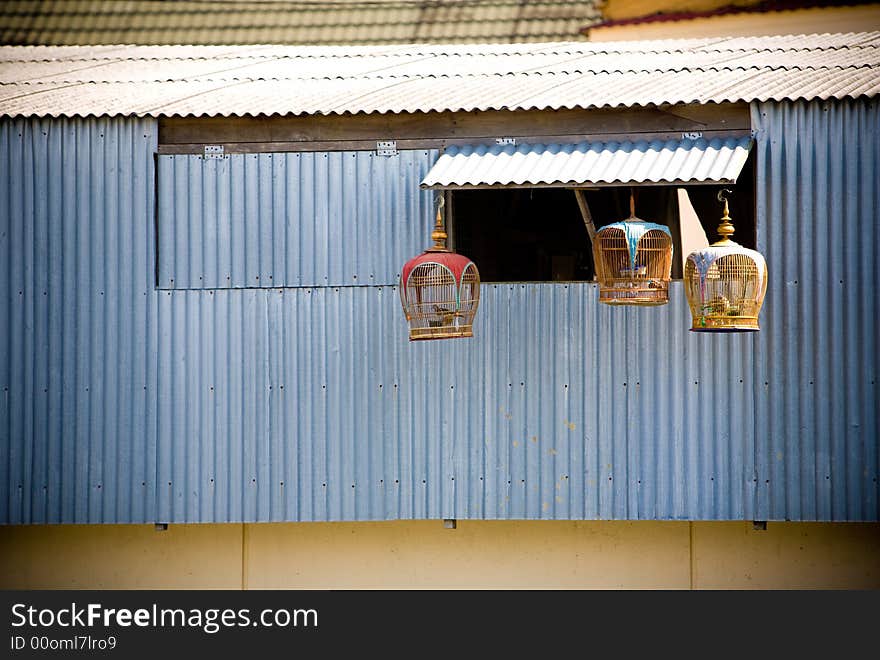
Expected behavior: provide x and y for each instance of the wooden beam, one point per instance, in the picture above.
(585, 213)
(426, 143)
(465, 126)
(449, 217)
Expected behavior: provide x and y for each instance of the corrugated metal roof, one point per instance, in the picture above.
(291, 22)
(590, 163)
(265, 80)
(251, 67)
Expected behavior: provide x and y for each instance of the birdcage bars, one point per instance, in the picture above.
(725, 283)
(440, 291)
(633, 261)
(439, 298)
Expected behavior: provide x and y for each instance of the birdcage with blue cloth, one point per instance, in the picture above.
(633, 260)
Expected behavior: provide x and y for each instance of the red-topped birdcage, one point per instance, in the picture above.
(633, 260)
(439, 291)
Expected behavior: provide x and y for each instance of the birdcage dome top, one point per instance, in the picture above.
(455, 263)
(704, 258)
(633, 229)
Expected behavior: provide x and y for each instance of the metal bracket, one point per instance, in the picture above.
(386, 148)
(213, 151)
(505, 140)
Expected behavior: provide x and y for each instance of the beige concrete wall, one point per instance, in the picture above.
(787, 555)
(423, 554)
(120, 557)
(492, 554)
(802, 21)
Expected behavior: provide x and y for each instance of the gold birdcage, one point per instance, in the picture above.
(633, 260)
(440, 291)
(725, 283)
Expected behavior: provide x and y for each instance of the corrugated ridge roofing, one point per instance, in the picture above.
(265, 80)
(830, 41)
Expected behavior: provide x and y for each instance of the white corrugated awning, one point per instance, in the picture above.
(719, 160)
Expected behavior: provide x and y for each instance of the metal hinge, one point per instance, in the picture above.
(386, 148)
(213, 151)
(505, 140)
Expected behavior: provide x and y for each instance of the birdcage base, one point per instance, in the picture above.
(640, 302)
(725, 324)
(441, 332)
(634, 295)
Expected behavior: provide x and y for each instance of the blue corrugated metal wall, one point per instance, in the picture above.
(78, 333)
(309, 403)
(817, 414)
(289, 219)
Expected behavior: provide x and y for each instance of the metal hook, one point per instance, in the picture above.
(441, 201)
(439, 234)
(725, 229)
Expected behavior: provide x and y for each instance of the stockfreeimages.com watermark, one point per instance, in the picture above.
(208, 620)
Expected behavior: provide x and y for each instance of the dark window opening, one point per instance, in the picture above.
(538, 234)
(523, 235)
